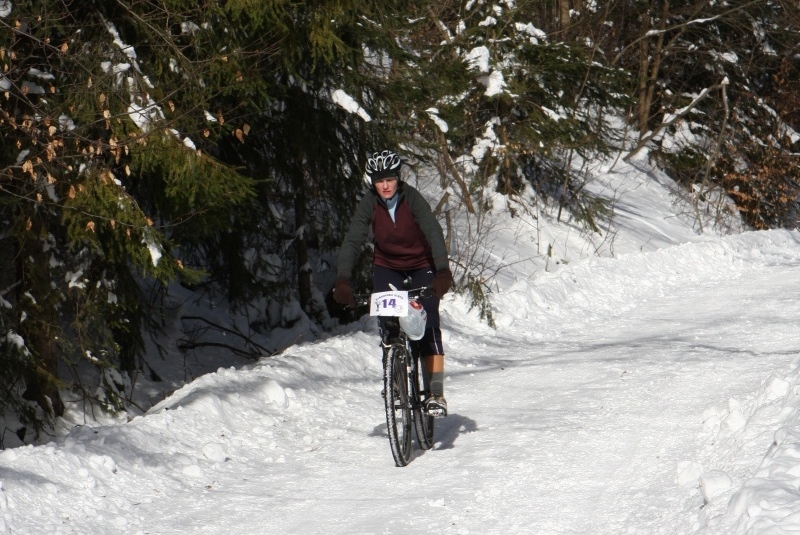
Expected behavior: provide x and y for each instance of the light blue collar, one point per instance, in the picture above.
(391, 205)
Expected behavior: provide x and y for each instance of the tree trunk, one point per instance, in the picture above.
(8, 272)
(40, 328)
(563, 14)
(644, 63)
(301, 248)
(448, 233)
(649, 67)
(445, 154)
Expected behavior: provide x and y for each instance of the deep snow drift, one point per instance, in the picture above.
(655, 392)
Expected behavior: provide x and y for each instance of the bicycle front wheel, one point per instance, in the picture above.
(398, 404)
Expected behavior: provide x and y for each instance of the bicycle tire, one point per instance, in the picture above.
(398, 404)
(423, 422)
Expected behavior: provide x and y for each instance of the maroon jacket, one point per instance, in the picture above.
(413, 240)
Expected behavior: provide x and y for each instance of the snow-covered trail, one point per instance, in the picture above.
(574, 434)
(573, 417)
(607, 414)
(584, 434)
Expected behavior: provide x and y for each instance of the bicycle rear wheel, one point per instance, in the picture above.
(423, 422)
(398, 405)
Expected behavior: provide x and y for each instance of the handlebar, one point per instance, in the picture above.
(362, 300)
(423, 292)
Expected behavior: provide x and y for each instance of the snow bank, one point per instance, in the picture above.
(598, 287)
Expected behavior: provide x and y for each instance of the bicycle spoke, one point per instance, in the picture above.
(398, 406)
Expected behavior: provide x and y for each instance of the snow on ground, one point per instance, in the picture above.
(652, 392)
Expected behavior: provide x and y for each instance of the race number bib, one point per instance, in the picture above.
(394, 303)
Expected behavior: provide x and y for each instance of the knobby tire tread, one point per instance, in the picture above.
(398, 407)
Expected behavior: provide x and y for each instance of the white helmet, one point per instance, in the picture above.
(414, 323)
(383, 164)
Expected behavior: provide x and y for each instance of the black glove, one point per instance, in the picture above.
(343, 293)
(441, 282)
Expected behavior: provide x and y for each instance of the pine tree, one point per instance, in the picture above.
(334, 97)
(103, 169)
(541, 100)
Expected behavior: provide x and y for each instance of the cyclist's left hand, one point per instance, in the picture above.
(441, 282)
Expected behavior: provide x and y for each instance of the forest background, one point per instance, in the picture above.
(162, 152)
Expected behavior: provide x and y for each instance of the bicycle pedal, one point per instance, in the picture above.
(437, 412)
(436, 406)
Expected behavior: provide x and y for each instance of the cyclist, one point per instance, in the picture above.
(408, 242)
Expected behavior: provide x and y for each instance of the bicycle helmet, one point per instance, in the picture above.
(383, 164)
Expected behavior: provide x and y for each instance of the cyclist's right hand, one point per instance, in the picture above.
(343, 293)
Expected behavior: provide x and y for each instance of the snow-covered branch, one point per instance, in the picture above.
(670, 119)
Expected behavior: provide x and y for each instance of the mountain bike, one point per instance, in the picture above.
(403, 390)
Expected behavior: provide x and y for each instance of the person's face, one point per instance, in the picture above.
(386, 187)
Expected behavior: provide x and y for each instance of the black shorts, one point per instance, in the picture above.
(382, 277)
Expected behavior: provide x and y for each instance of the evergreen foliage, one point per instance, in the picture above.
(97, 182)
(544, 103)
(221, 145)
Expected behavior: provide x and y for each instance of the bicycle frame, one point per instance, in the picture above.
(403, 389)
(411, 358)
